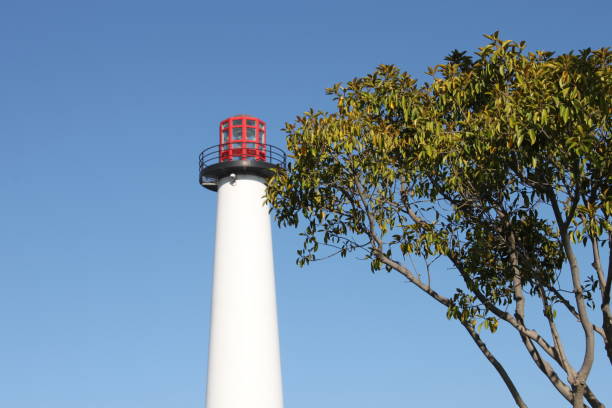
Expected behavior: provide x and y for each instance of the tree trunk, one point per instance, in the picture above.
(578, 394)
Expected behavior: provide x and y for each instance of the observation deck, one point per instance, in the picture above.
(214, 165)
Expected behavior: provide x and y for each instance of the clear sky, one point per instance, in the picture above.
(106, 238)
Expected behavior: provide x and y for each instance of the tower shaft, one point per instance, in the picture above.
(244, 357)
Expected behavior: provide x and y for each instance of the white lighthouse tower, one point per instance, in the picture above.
(243, 358)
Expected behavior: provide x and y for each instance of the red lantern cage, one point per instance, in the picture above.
(242, 137)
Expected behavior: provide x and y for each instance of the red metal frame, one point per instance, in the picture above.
(242, 148)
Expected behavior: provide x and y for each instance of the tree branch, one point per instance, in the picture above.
(561, 356)
(589, 347)
(548, 371)
(441, 299)
(597, 265)
(500, 369)
(573, 311)
(592, 399)
(519, 326)
(605, 304)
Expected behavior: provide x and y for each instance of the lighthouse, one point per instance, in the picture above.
(243, 357)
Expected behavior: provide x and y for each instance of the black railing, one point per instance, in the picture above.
(228, 152)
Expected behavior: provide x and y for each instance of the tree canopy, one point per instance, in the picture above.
(500, 165)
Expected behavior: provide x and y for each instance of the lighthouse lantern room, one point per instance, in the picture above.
(242, 149)
(242, 137)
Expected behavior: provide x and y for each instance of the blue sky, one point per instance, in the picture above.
(106, 239)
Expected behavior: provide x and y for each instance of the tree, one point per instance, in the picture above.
(500, 167)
